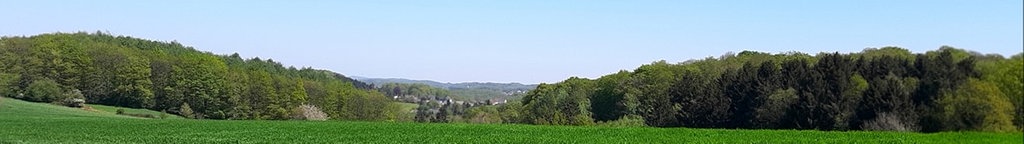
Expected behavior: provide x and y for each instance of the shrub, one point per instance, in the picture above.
(73, 98)
(73, 102)
(186, 111)
(163, 114)
(892, 122)
(308, 112)
(44, 90)
(481, 114)
(120, 111)
(625, 121)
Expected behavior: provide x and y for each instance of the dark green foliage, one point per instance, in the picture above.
(442, 114)
(889, 91)
(703, 103)
(888, 94)
(938, 75)
(877, 89)
(607, 102)
(742, 87)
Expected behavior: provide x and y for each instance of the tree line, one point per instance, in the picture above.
(887, 88)
(167, 76)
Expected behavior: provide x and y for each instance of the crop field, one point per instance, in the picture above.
(27, 122)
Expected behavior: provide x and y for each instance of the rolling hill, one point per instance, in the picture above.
(464, 91)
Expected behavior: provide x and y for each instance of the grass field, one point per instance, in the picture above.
(26, 122)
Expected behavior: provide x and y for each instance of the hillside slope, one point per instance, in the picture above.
(19, 109)
(168, 76)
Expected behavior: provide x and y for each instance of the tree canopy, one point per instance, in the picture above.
(167, 76)
(887, 88)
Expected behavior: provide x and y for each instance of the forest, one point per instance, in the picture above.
(167, 76)
(888, 88)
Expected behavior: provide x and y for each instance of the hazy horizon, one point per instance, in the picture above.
(527, 42)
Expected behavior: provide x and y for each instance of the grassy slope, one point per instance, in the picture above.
(408, 106)
(41, 123)
(113, 110)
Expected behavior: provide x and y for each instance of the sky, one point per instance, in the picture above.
(526, 41)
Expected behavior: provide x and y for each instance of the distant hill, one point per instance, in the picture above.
(467, 90)
(465, 85)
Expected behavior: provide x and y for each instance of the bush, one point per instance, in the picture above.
(892, 122)
(308, 112)
(625, 121)
(73, 98)
(120, 111)
(73, 102)
(163, 115)
(481, 114)
(44, 90)
(186, 111)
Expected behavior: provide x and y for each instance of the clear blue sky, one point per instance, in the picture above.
(524, 40)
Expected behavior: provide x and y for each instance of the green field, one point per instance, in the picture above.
(26, 122)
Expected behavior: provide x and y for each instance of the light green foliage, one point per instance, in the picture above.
(511, 112)
(138, 73)
(8, 84)
(123, 77)
(413, 93)
(482, 114)
(649, 85)
(1008, 75)
(44, 90)
(872, 53)
(566, 103)
(478, 94)
(299, 93)
(186, 111)
(977, 105)
(401, 112)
